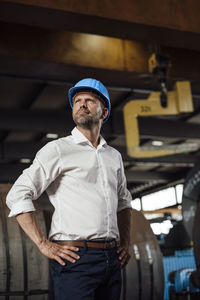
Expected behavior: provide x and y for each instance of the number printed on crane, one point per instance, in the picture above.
(145, 108)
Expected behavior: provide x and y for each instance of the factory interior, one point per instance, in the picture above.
(147, 53)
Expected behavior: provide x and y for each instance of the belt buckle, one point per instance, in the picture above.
(107, 245)
(110, 244)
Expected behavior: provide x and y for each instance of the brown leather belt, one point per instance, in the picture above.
(103, 245)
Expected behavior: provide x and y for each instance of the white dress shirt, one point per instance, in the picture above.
(86, 186)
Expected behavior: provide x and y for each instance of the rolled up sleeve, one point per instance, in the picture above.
(34, 180)
(124, 196)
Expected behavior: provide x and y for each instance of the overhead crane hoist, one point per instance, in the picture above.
(178, 101)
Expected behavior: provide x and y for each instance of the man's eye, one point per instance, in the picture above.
(77, 100)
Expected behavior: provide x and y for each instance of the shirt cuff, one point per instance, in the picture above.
(123, 205)
(21, 207)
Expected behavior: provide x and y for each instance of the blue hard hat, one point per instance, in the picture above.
(93, 85)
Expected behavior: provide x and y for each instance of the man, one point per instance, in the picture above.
(84, 179)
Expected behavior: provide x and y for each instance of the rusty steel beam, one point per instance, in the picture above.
(85, 50)
(61, 52)
(178, 14)
(172, 23)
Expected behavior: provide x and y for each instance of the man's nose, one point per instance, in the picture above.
(83, 103)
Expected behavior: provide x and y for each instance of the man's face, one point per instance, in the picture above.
(88, 110)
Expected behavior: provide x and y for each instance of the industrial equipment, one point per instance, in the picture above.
(177, 271)
(182, 271)
(178, 101)
(191, 215)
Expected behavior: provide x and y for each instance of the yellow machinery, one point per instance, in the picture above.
(178, 101)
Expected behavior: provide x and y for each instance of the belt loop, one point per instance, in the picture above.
(85, 245)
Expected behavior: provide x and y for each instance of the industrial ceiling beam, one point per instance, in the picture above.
(146, 176)
(73, 48)
(57, 73)
(167, 128)
(61, 121)
(144, 189)
(48, 53)
(172, 23)
(18, 150)
(181, 160)
(9, 173)
(35, 120)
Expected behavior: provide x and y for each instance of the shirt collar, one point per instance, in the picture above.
(80, 138)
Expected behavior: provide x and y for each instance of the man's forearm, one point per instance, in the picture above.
(28, 223)
(51, 250)
(124, 223)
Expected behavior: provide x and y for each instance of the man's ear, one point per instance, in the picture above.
(104, 113)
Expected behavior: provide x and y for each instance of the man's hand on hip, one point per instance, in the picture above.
(51, 250)
(55, 251)
(124, 255)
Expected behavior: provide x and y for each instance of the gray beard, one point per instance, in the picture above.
(86, 122)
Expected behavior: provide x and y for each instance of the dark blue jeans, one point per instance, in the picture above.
(95, 276)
